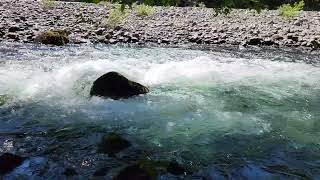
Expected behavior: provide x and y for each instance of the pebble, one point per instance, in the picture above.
(166, 26)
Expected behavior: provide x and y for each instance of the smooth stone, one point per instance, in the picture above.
(14, 29)
(115, 86)
(255, 41)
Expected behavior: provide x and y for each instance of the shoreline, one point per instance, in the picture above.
(22, 21)
(297, 55)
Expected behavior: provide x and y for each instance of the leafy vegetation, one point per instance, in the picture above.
(47, 4)
(201, 5)
(224, 6)
(144, 10)
(218, 4)
(117, 17)
(289, 10)
(107, 3)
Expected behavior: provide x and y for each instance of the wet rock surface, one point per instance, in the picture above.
(53, 37)
(167, 26)
(115, 86)
(9, 161)
(138, 171)
(70, 172)
(176, 168)
(113, 143)
(102, 171)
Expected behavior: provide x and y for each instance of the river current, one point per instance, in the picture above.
(227, 114)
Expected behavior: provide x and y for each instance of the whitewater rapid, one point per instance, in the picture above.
(197, 99)
(63, 75)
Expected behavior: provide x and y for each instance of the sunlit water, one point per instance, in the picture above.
(205, 108)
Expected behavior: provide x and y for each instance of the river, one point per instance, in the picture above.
(228, 114)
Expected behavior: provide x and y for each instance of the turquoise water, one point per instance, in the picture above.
(237, 112)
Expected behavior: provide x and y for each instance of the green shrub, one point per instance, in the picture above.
(201, 5)
(144, 10)
(116, 17)
(107, 3)
(47, 4)
(289, 10)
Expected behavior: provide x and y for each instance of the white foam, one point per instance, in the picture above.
(187, 90)
(31, 79)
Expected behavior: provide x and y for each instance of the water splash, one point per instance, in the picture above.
(199, 103)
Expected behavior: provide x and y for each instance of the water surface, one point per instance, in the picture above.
(227, 114)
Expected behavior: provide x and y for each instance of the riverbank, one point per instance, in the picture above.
(22, 21)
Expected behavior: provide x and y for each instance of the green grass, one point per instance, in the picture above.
(144, 10)
(289, 10)
(117, 17)
(201, 5)
(106, 3)
(47, 4)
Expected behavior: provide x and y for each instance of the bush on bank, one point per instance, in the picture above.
(256, 4)
(289, 10)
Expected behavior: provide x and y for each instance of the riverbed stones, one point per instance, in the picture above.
(102, 171)
(315, 43)
(9, 162)
(14, 29)
(115, 86)
(13, 36)
(255, 41)
(53, 37)
(139, 171)
(176, 169)
(167, 26)
(112, 144)
(69, 171)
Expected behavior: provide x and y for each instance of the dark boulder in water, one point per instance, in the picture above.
(53, 37)
(102, 171)
(115, 86)
(113, 143)
(138, 171)
(9, 162)
(146, 169)
(176, 169)
(70, 172)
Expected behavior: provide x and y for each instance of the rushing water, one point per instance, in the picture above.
(235, 114)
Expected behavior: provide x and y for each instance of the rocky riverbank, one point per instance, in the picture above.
(21, 21)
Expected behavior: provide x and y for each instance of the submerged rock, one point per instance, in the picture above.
(54, 37)
(146, 169)
(102, 171)
(113, 143)
(9, 162)
(138, 171)
(176, 169)
(115, 86)
(70, 172)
